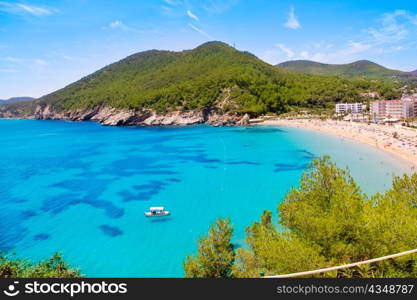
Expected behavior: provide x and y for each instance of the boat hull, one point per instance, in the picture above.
(151, 215)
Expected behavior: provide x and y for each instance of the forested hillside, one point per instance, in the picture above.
(361, 68)
(16, 99)
(212, 75)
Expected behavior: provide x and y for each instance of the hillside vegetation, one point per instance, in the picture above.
(213, 75)
(16, 99)
(54, 267)
(361, 68)
(326, 221)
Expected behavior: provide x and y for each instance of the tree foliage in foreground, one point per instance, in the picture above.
(53, 267)
(215, 253)
(329, 221)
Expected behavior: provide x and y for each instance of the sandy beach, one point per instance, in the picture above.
(397, 140)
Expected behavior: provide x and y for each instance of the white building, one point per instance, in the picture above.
(345, 108)
(412, 97)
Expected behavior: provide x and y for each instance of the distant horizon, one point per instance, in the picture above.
(46, 45)
(19, 96)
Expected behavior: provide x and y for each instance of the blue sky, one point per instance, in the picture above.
(45, 45)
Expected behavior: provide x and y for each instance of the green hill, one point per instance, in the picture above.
(213, 76)
(361, 68)
(16, 99)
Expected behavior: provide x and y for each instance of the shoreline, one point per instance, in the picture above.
(111, 116)
(381, 137)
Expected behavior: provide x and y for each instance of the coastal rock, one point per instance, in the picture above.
(217, 119)
(118, 117)
(245, 121)
(7, 114)
(47, 113)
(174, 119)
(112, 117)
(42, 113)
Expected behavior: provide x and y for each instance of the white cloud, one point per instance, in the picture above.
(218, 6)
(318, 53)
(192, 16)
(357, 47)
(13, 59)
(399, 48)
(292, 22)
(305, 55)
(19, 8)
(40, 62)
(173, 2)
(117, 25)
(395, 31)
(34, 10)
(413, 19)
(166, 9)
(200, 31)
(271, 56)
(171, 7)
(344, 54)
(392, 32)
(392, 28)
(8, 70)
(286, 50)
(210, 6)
(320, 45)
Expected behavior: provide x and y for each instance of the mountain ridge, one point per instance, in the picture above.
(212, 83)
(360, 68)
(16, 99)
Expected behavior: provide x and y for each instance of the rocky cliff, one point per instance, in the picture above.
(116, 117)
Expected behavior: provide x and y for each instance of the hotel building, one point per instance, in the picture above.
(396, 109)
(344, 108)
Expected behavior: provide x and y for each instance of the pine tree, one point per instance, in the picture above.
(215, 255)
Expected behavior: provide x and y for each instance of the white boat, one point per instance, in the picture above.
(158, 211)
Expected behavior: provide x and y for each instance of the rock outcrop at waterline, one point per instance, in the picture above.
(115, 117)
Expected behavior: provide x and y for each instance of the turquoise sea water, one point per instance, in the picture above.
(81, 189)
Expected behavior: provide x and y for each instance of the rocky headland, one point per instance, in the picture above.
(118, 117)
